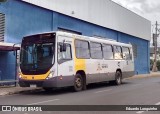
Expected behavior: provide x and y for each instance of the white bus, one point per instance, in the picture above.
(60, 59)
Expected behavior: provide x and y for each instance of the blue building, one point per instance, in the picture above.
(104, 18)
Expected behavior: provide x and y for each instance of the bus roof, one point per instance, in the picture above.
(86, 38)
(93, 39)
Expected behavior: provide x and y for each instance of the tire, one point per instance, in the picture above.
(118, 78)
(78, 83)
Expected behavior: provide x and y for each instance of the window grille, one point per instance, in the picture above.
(2, 27)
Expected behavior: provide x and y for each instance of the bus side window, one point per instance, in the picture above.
(65, 55)
(117, 52)
(96, 50)
(126, 53)
(82, 49)
(107, 51)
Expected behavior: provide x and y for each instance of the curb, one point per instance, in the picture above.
(157, 74)
(19, 91)
(3, 93)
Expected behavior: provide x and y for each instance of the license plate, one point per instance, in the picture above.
(33, 85)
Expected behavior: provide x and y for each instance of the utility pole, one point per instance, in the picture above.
(155, 36)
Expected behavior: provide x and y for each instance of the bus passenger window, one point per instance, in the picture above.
(117, 52)
(66, 55)
(82, 49)
(107, 51)
(96, 50)
(126, 53)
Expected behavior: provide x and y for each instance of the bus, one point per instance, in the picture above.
(61, 59)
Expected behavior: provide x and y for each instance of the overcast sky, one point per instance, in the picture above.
(149, 9)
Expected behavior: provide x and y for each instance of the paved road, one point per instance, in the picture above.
(143, 91)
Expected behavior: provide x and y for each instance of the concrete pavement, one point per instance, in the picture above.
(152, 74)
(8, 90)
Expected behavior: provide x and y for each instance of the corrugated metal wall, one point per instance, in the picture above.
(2, 26)
(101, 12)
(21, 19)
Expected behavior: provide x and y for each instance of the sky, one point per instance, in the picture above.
(149, 9)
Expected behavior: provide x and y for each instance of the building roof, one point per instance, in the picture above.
(105, 13)
(8, 46)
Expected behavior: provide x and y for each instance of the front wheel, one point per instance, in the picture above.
(78, 83)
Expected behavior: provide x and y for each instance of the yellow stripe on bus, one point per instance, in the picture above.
(35, 77)
(79, 64)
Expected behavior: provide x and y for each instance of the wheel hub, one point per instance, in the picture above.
(78, 82)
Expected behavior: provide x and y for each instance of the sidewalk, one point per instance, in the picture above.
(8, 90)
(152, 74)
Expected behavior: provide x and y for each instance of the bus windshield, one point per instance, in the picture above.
(37, 54)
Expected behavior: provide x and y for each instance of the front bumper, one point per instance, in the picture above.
(39, 83)
(52, 82)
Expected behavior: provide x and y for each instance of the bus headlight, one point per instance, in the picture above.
(20, 75)
(51, 75)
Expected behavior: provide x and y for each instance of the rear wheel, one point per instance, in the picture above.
(118, 78)
(78, 83)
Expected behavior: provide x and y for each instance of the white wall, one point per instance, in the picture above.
(101, 12)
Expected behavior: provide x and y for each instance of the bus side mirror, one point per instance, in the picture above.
(63, 47)
(14, 50)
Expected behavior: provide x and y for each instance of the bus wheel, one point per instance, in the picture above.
(118, 78)
(78, 83)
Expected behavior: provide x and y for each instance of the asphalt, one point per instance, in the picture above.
(9, 90)
(138, 90)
